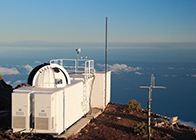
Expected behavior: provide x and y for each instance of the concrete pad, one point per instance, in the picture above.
(75, 128)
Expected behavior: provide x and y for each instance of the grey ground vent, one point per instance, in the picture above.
(41, 123)
(18, 122)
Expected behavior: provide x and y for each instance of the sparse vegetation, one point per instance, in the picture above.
(72, 136)
(141, 128)
(133, 105)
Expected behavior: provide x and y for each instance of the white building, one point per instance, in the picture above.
(59, 94)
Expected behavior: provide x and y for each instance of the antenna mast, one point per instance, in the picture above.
(105, 60)
(152, 85)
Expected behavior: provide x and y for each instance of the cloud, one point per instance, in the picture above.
(171, 68)
(138, 73)
(37, 62)
(182, 68)
(27, 67)
(166, 75)
(18, 82)
(120, 68)
(8, 71)
(191, 124)
(8, 82)
(194, 75)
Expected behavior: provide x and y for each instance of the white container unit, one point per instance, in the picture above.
(44, 109)
(21, 111)
(39, 110)
(55, 100)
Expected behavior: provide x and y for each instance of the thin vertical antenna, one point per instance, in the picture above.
(105, 61)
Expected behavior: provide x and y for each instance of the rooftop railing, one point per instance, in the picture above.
(82, 66)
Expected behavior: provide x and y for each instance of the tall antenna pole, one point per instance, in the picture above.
(105, 60)
(152, 85)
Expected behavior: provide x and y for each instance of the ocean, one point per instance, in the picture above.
(131, 67)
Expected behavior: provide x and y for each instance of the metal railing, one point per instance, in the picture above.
(83, 66)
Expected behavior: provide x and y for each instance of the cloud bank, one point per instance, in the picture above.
(18, 82)
(194, 75)
(191, 124)
(37, 62)
(138, 73)
(171, 68)
(27, 67)
(120, 68)
(8, 71)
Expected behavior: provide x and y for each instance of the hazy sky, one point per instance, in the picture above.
(84, 20)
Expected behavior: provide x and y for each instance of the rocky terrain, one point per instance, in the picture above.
(5, 95)
(117, 122)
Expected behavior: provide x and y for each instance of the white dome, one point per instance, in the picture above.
(51, 76)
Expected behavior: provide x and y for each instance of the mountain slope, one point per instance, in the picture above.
(5, 95)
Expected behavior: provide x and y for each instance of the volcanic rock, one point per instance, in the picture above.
(5, 95)
(19, 86)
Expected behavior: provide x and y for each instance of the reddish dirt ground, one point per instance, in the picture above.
(115, 123)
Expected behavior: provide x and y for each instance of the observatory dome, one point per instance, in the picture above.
(49, 76)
